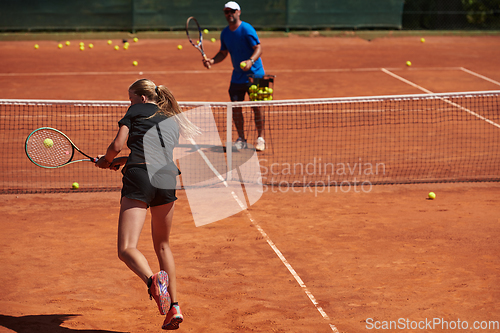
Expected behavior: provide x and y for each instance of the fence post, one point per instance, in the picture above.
(133, 17)
(287, 16)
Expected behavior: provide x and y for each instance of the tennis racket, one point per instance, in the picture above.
(49, 148)
(193, 31)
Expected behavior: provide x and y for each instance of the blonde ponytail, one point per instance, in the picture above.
(167, 105)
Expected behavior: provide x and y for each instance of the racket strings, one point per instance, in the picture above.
(194, 33)
(58, 154)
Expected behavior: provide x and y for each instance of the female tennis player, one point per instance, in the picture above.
(150, 104)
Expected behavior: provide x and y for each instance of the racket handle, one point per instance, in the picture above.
(205, 57)
(95, 160)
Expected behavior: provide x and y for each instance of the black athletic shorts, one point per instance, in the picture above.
(136, 185)
(237, 91)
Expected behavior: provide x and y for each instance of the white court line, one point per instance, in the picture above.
(480, 76)
(443, 99)
(267, 238)
(204, 71)
(113, 73)
(406, 81)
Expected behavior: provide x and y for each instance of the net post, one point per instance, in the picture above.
(229, 140)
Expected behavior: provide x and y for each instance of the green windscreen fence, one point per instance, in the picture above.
(147, 15)
(135, 15)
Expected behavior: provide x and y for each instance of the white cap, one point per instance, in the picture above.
(232, 5)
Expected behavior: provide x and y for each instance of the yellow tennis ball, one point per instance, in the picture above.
(67, 43)
(59, 46)
(82, 47)
(179, 47)
(205, 31)
(109, 42)
(213, 40)
(422, 40)
(243, 64)
(135, 63)
(432, 195)
(75, 185)
(136, 39)
(125, 47)
(36, 46)
(82, 44)
(408, 63)
(116, 47)
(91, 46)
(48, 143)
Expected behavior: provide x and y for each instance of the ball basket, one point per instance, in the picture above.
(261, 87)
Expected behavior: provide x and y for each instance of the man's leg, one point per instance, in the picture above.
(259, 121)
(239, 122)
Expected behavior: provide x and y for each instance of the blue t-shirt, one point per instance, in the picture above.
(240, 45)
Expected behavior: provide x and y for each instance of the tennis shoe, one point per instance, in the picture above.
(173, 319)
(261, 144)
(240, 144)
(158, 291)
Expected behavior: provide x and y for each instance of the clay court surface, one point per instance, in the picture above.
(365, 256)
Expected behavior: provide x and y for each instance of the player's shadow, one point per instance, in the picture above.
(43, 324)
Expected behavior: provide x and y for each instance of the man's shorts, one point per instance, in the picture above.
(136, 185)
(237, 91)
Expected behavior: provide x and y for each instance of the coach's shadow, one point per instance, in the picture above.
(43, 324)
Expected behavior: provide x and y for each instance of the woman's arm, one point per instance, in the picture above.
(114, 149)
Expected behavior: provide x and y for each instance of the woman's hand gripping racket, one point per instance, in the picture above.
(49, 148)
(193, 30)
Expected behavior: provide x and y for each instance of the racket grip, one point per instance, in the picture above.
(206, 58)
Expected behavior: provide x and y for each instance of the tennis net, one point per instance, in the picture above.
(402, 139)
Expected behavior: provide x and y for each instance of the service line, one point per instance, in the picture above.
(443, 99)
(228, 71)
(480, 76)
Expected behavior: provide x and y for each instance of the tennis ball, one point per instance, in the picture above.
(67, 43)
(179, 47)
(135, 63)
(125, 46)
(59, 46)
(408, 63)
(75, 185)
(253, 88)
(432, 195)
(136, 39)
(213, 40)
(91, 46)
(82, 44)
(422, 40)
(205, 31)
(109, 42)
(82, 47)
(243, 64)
(48, 143)
(116, 47)
(36, 46)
